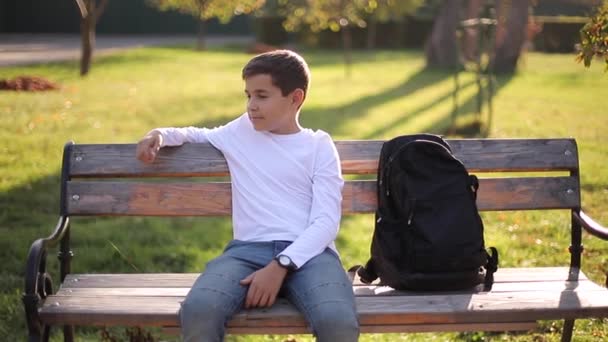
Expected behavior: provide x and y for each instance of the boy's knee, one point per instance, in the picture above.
(192, 310)
(202, 316)
(336, 323)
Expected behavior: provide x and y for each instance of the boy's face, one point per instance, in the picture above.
(268, 109)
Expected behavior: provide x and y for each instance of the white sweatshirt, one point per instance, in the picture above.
(284, 187)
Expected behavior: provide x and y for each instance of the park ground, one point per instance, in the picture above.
(388, 93)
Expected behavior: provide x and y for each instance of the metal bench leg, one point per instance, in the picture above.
(36, 330)
(39, 336)
(68, 333)
(567, 333)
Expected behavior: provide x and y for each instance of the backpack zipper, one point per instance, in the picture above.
(410, 216)
(390, 162)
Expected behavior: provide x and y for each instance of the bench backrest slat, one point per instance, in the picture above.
(92, 191)
(357, 157)
(213, 199)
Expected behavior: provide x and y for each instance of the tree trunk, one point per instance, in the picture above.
(470, 40)
(512, 18)
(399, 32)
(442, 47)
(347, 47)
(371, 32)
(200, 41)
(87, 35)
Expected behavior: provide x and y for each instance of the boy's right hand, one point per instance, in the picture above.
(148, 146)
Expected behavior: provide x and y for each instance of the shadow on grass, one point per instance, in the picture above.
(476, 126)
(400, 120)
(325, 57)
(335, 118)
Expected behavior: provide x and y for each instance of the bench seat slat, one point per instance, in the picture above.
(358, 157)
(360, 290)
(510, 301)
(396, 328)
(185, 280)
(282, 318)
(423, 309)
(213, 199)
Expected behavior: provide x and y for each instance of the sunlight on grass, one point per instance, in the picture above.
(389, 93)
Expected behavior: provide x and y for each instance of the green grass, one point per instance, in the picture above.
(389, 93)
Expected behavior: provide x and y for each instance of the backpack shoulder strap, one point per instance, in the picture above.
(491, 267)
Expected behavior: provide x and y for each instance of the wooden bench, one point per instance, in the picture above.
(107, 180)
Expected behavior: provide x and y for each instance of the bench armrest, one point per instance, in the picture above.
(38, 283)
(590, 225)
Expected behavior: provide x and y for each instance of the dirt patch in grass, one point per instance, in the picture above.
(28, 83)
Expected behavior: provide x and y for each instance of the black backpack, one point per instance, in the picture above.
(428, 233)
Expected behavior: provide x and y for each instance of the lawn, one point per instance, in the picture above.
(389, 93)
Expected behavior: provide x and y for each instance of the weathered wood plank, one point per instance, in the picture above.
(419, 328)
(167, 280)
(413, 328)
(528, 193)
(118, 160)
(213, 199)
(377, 310)
(357, 156)
(370, 329)
(516, 154)
(359, 290)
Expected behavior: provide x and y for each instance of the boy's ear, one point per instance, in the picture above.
(297, 97)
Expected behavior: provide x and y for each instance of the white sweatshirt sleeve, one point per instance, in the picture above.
(217, 136)
(326, 209)
(173, 136)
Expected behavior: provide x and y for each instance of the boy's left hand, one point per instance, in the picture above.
(264, 285)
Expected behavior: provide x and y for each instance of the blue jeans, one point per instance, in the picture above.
(320, 289)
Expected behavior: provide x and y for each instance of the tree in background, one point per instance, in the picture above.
(511, 30)
(268, 24)
(594, 37)
(90, 11)
(318, 15)
(442, 48)
(471, 33)
(203, 10)
(388, 10)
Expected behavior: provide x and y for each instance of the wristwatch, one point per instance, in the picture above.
(285, 262)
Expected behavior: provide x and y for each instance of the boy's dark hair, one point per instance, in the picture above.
(287, 69)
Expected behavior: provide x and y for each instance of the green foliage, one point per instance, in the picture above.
(223, 10)
(594, 37)
(385, 10)
(320, 15)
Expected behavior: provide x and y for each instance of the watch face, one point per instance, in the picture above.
(284, 261)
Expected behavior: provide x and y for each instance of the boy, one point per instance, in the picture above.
(286, 208)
